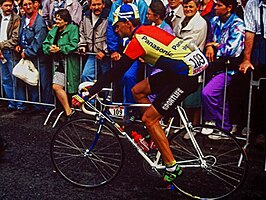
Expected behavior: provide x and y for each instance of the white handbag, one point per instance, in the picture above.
(26, 71)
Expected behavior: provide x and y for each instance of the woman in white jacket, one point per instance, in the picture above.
(192, 27)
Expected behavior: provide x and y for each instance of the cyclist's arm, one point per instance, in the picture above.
(113, 74)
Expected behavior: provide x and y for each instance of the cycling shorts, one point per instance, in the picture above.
(171, 89)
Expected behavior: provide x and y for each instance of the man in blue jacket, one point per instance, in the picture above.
(32, 33)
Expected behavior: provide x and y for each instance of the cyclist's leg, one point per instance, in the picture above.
(151, 119)
(169, 95)
(171, 89)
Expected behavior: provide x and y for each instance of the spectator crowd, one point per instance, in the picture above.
(55, 34)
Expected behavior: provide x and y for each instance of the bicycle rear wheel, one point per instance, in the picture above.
(222, 169)
(85, 158)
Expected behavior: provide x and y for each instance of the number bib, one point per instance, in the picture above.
(117, 111)
(197, 61)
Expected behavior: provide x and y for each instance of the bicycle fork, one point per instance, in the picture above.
(100, 120)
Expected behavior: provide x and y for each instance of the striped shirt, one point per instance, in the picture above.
(252, 16)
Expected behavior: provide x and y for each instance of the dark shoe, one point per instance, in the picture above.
(69, 117)
(131, 116)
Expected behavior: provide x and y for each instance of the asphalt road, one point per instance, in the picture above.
(26, 170)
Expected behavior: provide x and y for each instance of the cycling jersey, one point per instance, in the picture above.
(165, 51)
(160, 49)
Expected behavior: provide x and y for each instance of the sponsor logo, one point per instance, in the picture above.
(172, 99)
(156, 47)
(177, 45)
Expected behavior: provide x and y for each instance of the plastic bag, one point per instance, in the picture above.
(26, 71)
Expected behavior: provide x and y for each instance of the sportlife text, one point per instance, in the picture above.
(172, 99)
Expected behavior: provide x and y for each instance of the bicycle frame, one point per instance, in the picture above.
(103, 115)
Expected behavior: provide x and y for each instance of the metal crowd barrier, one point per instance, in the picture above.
(81, 64)
(257, 84)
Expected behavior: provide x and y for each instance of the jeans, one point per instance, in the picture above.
(7, 78)
(89, 73)
(46, 79)
(212, 101)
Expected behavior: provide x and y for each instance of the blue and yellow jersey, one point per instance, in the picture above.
(165, 51)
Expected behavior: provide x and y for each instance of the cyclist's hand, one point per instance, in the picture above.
(83, 94)
(77, 101)
(85, 86)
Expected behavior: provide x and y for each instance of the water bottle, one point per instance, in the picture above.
(140, 141)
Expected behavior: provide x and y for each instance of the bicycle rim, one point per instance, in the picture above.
(72, 159)
(222, 170)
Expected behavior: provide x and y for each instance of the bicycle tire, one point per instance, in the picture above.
(224, 171)
(70, 158)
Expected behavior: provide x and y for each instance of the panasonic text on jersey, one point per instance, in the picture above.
(155, 47)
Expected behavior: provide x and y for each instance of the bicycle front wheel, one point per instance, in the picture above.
(84, 157)
(218, 173)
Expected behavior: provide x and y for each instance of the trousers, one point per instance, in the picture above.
(213, 101)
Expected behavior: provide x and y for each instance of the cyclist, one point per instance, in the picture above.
(181, 63)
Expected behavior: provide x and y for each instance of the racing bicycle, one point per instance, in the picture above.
(88, 152)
